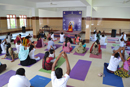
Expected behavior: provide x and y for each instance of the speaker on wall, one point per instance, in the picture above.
(23, 29)
(113, 33)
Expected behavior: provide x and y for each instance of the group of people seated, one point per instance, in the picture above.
(26, 49)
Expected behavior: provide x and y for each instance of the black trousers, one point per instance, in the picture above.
(28, 61)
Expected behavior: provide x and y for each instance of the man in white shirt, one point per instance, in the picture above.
(18, 45)
(115, 60)
(102, 40)
(56, 75)
(62, 39)
(19, 80)
(50, 43)
(3, 46)
(94, 36)
(123, 35)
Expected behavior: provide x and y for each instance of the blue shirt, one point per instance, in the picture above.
(50, 43)
(84, 45)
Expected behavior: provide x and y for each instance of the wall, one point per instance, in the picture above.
(58, 12)
(112, 12)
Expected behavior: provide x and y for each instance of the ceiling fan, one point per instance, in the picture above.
(126, 1)
(52, 3)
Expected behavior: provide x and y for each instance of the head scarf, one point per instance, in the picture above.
(23, 54)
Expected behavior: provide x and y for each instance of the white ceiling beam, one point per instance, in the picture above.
(60, 4)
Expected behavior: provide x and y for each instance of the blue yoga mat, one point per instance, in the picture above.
(39, 81)
(112, 79)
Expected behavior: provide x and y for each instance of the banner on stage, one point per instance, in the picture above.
(72, 20)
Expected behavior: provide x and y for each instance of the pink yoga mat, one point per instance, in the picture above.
(103, 46)
(96, 56)
(80, 70)
(112, 38)
(81, 54)
(128, 52)
(41, 55)
(4, 78)
(111, 42)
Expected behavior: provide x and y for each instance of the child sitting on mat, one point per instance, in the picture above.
(98, 35)
(94, 47)
(82, 47)
(78, 39)
(2, 67)
(62, 39)
(67, 46)
(94, 36)
(3, 46)
(47, 61)
(52, 36)
(69, 38)
(115, 59)
(40, 42)
(51, 43)
(56, 74)
(10, 54)
(18, 44)
(31, 52)
(102, 40)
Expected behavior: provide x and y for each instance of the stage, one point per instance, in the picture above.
(72, 34)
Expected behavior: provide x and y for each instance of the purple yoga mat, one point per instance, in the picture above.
(96, 56)
(4, 78)
(10, 59)
(57, 46)
(41, 55)
(103, 46)
(14, 49)
(81, 54)
(80, 70)
(112, 47)
(2, 54)
(111, 40)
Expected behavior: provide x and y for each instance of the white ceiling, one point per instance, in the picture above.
(50, 0)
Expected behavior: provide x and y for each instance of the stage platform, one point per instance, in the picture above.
(72, 34)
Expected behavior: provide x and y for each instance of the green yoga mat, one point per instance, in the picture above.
(60, 62)
(115, 45)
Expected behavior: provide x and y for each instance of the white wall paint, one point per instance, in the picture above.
(3, 13)
(112, 12)
(58, 12)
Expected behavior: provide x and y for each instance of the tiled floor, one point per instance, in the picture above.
(92, 79)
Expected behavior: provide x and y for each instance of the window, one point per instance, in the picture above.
(11, 21)
(22, 20)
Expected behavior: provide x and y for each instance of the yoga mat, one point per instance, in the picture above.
(80, 70)
(115, 45)
(10, 59)
(71, 50)
(112, 79)
(128, 52)
(4, 78)
(60, 62)
(2, 54)
(39, 81)
(14, 49)
(57, 46)
(81, 54)
(112, 38)
(57, 39)
(103, 46)
(41, 55)
(96, 56)
(111, 41)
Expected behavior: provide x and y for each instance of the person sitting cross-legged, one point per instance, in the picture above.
(19, 80)
(56, 75)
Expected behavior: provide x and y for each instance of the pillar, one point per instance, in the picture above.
(88, 23)
(35, 22)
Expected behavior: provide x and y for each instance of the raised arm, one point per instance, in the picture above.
(67, 64)
(54, 64)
